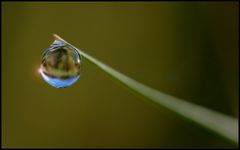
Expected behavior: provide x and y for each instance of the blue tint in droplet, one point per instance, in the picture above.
(58, 83)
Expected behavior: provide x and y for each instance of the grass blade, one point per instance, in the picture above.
(220, 124)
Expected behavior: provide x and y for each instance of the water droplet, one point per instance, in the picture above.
(60, 65)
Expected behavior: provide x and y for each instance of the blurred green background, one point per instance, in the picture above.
(189, 50)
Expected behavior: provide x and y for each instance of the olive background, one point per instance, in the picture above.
(186, 49)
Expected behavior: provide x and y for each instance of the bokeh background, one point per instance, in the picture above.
(186, 49)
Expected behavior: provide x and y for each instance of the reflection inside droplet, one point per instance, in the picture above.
(60, 65)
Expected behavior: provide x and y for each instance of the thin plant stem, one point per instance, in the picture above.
(216, 122)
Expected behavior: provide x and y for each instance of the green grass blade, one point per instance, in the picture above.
(220, 124)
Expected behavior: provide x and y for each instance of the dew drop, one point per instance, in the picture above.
(60, 65)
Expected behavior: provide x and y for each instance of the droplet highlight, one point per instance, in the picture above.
(60, 65)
